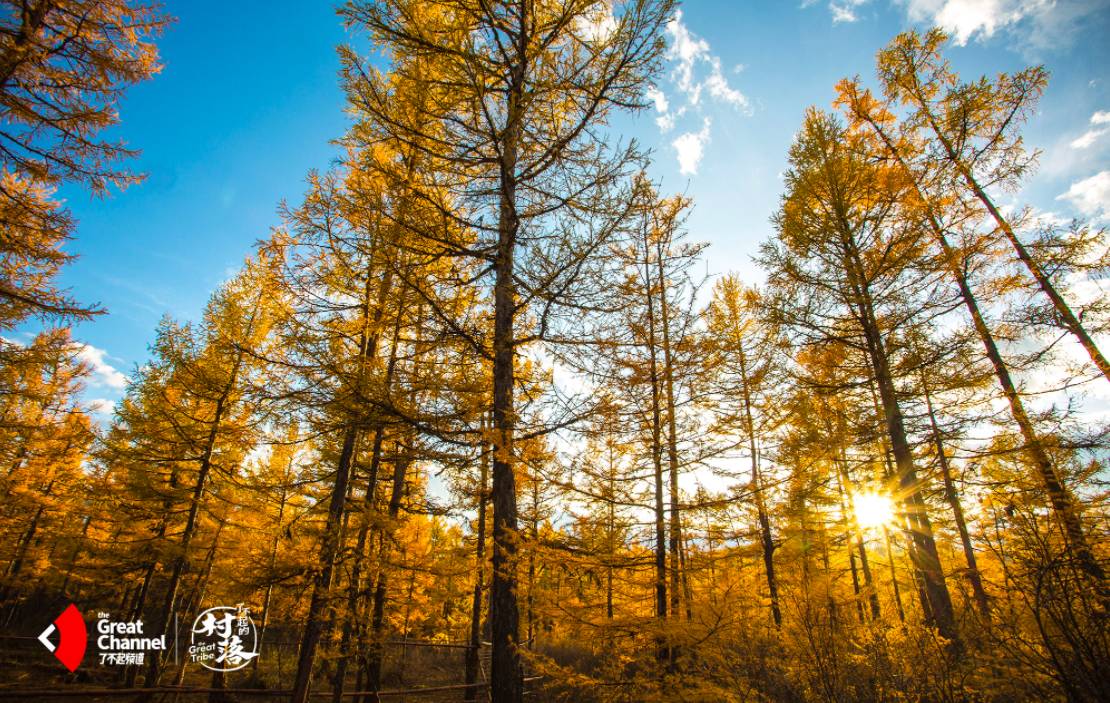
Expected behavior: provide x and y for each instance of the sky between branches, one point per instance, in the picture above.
(249, 100)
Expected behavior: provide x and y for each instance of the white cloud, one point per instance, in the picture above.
(598, 24)
(103, 373)
(1087, 138)
(966, 18)
(719, 88)
(101, 406)
(666, 119)
(696, 73)
(1091, 196)
(1042, 23)
(845, 10)
(685, 50)
(1070, 155)
(841, 10)
(690, 147)
(691, 56)
(659, 98)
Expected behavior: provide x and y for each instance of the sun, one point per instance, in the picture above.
(873, 510)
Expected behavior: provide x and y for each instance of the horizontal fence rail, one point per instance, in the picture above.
(30, 694)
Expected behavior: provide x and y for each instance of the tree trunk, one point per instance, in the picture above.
(473, 653)
(354, 588)
(610, 535)
(1059, 496)
(506, 681)
(321, 587)
(766, 540)
(845, 479)
(1061, 499)
(182, 559)
(401, 463)
(23, 545)
(273, 561)
(850, 538)
(894, 576)
(535, 536)
(351, 623)
(1071, 322)
(675, 542)
(196, 598)
(926, 559)
(662, 652)
(73, 557)
(333, 542)
(868, 579)
(957, 509)
(131, 672)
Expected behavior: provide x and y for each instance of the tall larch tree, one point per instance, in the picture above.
(745, 355)
(946, 218)
(527, 88)
(974, 135)
(63, 68)
(841, 268)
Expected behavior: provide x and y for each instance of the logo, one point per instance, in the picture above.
(224, 638)
(125, 643)
(73, 637)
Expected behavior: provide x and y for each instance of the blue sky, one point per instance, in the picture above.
(248, 102)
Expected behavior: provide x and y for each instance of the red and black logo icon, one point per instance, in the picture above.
(72, 637)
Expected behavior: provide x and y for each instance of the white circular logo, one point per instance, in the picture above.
(224, 638)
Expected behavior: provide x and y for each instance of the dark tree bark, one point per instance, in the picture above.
(924, 553)
(180, 562)
(1061, 499)
(506, 679)
(766, 539)
(282, 501)
(662, 652)
(675, 541)
(895, 586)
(506, 685)
(354, 588)
(953, 499)
(401, 463)
(321, 587)
(474, 651)
(1067, 317)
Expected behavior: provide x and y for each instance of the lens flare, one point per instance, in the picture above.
(873, 510)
